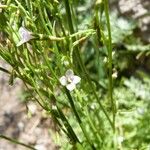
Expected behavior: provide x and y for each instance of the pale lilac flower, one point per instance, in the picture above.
(69, 80)
(25, 35)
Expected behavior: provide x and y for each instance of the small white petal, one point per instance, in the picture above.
(25, 35)
(69, 73)
(115, 75)
(23, 31)
(71, 86)
(63, 80)
(76, 79)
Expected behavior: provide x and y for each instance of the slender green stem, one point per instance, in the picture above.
(42, 18)
(73, 106)
(63, 118)
(5, 70)
(68, 126)
(78, 118)
(36, 98)
(113, 105)
(95, 132)
(98, 41)
(78, 57)
(68, 12)
(16, 142)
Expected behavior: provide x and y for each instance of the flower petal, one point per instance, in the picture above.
(69, 73)
(71, 86)
(23, 31)
(76, 79)
(25, 35)
(63, 80)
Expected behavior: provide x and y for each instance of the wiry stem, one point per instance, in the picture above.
(78, 57)
(16, 142)
(113, 105)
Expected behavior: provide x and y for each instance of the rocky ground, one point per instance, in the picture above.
(15, 121)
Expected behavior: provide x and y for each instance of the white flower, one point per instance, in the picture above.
(115, 75)
(69, 80)
(25, 35)
(120, 139)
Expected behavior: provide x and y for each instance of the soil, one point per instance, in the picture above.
(15, 121)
